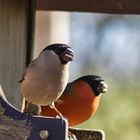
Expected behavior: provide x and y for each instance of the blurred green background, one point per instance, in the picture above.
(108, 45)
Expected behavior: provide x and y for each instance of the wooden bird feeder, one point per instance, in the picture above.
(17, 18)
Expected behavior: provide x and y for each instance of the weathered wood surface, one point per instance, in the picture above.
(13, 33)
(13, 130)
(9, 128)
(86, 134)
(98, 6)
(15, 42)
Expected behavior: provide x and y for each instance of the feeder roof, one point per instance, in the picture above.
(98, 6)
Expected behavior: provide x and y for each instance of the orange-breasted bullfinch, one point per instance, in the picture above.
(46, 76)
(79, 100)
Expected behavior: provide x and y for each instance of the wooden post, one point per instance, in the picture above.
(14, 40)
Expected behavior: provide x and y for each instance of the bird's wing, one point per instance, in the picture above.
(31, 64)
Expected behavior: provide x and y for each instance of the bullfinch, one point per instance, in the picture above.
(79, 100)
(46, 76)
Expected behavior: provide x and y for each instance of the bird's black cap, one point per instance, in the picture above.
(96, 83)
(56, 47)
(59, 48)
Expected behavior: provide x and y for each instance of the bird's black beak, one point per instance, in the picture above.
(102, 87)
(67, 55)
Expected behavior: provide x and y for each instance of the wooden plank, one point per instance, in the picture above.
(98, 6)
(13, 46)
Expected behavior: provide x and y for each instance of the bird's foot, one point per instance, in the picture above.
(52, 106)
(31, 109)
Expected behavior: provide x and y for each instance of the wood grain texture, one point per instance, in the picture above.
(13, 42)
(13, 130)
(98, 6)
(86, 134)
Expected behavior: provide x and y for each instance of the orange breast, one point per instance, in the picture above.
(78, 106)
